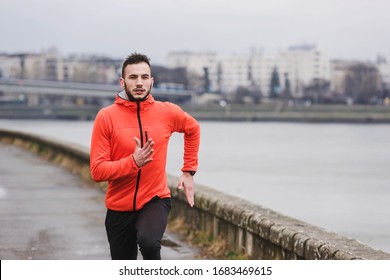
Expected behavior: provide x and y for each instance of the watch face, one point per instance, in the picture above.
(192, 173)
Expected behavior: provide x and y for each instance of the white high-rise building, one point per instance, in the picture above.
(10, 66)
(301, 65)
(261, 72)
(306, 64)
(234, 73)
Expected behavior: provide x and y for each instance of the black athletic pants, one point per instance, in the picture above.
(144, 228)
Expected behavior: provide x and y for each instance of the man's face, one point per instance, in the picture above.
(137, 80)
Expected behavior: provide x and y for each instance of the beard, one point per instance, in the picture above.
(136, 97)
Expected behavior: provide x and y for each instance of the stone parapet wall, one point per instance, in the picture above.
(258, 232)
(262, 233)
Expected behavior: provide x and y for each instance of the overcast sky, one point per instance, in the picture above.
(345, 29)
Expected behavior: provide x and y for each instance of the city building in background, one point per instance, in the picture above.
(299, 73)
(299, 66)
(50, 65)
(383, 65)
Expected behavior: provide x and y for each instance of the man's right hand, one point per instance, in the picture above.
(142, 155)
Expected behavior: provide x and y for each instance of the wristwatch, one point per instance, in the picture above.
(191, 172)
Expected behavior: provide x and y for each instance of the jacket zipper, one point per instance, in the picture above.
(142, 144)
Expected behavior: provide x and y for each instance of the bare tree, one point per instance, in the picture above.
(362, 83)
(316, 90)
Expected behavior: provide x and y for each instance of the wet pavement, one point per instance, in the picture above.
(46, 212)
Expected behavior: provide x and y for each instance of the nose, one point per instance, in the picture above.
(139, 81)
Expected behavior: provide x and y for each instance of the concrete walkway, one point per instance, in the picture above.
(47, 212)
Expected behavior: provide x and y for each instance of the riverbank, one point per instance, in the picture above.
(297, 113)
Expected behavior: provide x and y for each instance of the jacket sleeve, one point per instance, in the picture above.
(185, 123)
(101, 165)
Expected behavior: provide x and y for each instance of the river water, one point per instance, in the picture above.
(335, 176)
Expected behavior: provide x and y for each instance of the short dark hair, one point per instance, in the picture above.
(135, 58)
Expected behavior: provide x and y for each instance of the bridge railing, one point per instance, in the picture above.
(80, 89)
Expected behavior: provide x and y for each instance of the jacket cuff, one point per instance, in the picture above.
(192, 172)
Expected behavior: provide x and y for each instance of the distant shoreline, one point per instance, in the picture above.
(236, 113)
(317, 114)
(296, 120)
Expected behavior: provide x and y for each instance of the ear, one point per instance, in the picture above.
(152, 82)
(122, 82)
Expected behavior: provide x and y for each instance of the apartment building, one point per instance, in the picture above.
(339, 71)
(10, 66)
(52, 66)
(262, 67)
(47, 65)
(306, 64)
(92, 69)
(383, 65)
(234, 73)
(300, 65)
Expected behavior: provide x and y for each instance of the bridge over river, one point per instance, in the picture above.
(67, 100)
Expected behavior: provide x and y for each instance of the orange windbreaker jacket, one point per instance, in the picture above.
(112, 146)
